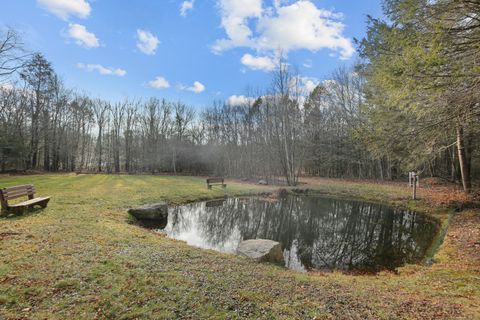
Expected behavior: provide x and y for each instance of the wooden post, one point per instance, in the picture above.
(414, 187)
(413, 182)
(3, 202)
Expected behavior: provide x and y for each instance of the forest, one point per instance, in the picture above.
(410, 103)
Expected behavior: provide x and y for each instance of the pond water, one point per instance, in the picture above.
(316, 233)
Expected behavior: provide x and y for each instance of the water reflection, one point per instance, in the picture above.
(315, 233)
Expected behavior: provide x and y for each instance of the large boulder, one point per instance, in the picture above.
(155, 211)
(262, 250)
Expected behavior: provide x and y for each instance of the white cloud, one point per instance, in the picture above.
(102, 70)
(240, 100)
(82, 36)
(159, 83)
(305, 85)
(147, 42)
(185, 7)
(308, 64)
(258, 63)
(295, 26)
(309, 84)
(197, 87)
(235, 15)
(66, 8)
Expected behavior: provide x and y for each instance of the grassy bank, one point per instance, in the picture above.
(80, 258)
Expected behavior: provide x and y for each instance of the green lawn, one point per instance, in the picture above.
(81, 259)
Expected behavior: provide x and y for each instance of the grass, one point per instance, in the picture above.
(81, 259)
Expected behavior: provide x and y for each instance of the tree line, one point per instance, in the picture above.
(422, 71)
(410, 103)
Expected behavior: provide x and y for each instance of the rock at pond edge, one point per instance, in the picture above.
(155, 211)
(262, 250)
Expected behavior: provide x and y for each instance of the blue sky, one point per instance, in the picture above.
(212, 49)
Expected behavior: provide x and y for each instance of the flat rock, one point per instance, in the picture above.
(262, 182)
(155, 211)
(262, 250)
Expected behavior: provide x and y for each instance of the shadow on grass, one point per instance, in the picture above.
(24, 214)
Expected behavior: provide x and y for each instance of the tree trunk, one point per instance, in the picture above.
(462, 159)
(127, 152)
(99, 149)
(82, 154)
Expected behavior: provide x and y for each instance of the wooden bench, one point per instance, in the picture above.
(215, 181)
(215, 203)
(27, 190)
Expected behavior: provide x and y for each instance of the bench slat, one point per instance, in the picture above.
(29, 202)
(22, 187)
(14, 197)
(23, 191)
(17, 195)
(17, 191)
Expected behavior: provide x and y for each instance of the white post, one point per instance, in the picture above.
(413, 182)
(414, 186)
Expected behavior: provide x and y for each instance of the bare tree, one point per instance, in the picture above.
(183, 116)
(118, 112)
(12, 54)
(131, 118)
(286, 111)
(100, 111)
(38, 76)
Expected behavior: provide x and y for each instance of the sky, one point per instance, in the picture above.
(196, 51)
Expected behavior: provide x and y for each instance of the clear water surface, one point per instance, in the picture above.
(316, 233)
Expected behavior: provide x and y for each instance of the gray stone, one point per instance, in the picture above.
(155, 211)
(262, 182)
(262, 250)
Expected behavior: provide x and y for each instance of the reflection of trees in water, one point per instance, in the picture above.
(326, 233)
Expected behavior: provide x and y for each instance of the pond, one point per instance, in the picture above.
(316, 233)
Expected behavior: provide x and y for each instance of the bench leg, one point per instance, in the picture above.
(19, 210)
(44, 203)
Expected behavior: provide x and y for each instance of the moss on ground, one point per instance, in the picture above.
(81, 259)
